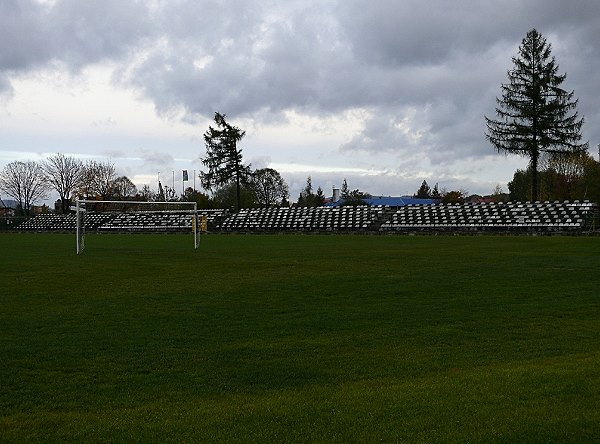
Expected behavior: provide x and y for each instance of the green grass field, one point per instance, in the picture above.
(300, 339)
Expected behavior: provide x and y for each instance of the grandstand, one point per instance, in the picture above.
(49, 222)
(512, 217)
(319, 219)
(528, 216)
(157, 221)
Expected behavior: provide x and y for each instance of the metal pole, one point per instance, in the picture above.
(196, 222)
(78, 225)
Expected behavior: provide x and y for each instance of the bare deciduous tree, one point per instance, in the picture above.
(25, 182)
(64, 175)
(123, 188)
(97, 180)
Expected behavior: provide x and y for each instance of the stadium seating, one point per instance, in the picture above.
(138, 221)
(480, 217)
(49, 222)
(528, 216)
(320, 219)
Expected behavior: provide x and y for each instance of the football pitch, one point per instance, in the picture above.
(299, 338)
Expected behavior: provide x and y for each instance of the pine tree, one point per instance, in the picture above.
(306, 193)
(223, 157)
(345, 191)
(424, 192)
(435, 193)
(308, 198)
(535, 115)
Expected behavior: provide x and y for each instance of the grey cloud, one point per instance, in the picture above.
(270, 60)
(389, 132)
(6, 89)
(71, 32)
(104, 123)
(90, 31)
(415, 33)
(258, 162)
(22, 43)
(156, 159)
(114, 154)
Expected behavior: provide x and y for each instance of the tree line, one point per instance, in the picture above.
(443, 195)
(30, 182)
(573, 176)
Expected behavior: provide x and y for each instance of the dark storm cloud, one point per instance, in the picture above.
(91, 31)
(74, 33)
(267, 57)
(426, 72)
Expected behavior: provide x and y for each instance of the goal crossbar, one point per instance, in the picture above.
(80, 211)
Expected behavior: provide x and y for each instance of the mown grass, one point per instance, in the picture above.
(299, 339)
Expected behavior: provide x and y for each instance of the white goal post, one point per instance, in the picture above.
(85, 210)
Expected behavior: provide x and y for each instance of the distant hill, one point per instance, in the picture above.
(9, 203)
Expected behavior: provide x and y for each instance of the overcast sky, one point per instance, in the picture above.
(384, 93)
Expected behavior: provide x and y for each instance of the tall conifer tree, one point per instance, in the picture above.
(224, 157)
(535, 116)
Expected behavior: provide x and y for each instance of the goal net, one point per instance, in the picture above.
(129, 216)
